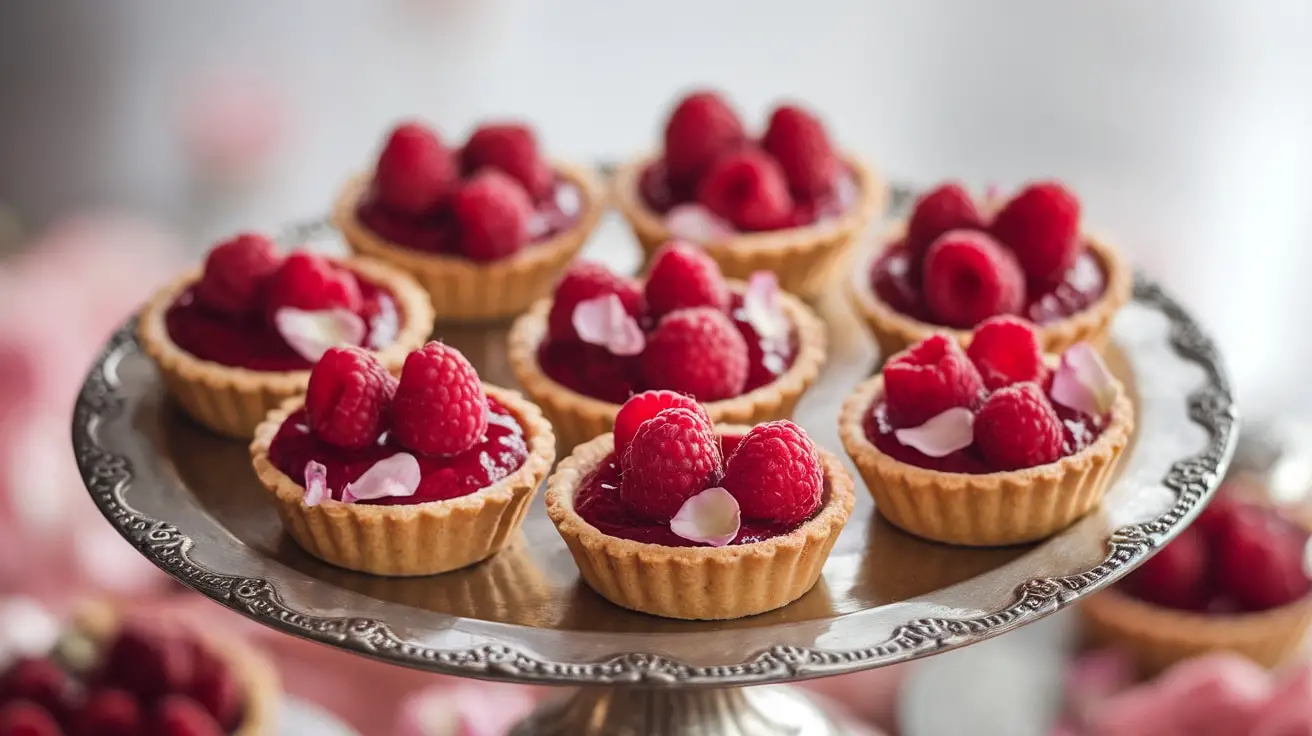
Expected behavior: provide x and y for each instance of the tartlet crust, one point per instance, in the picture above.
(232, 401)
(895, 331)
(804, 258)
(990, 509)
(578, 418)
(705, 583)
(462, 290)
(411, 539)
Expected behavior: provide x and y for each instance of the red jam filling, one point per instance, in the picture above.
(502, 451)
(661, 196)
(897, 284)
(553, 214)
(598, 502)
(251, 342)
(1079, 430)
(593, 371)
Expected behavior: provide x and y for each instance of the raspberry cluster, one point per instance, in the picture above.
(246, 275)
(973, 267)
(476, 201)
(150, 681)
(755, 185)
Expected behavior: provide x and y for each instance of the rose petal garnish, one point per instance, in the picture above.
(696, 223)
(604, 321)
(397, 476)
(763, 308)
(711, 517)
(316, 483)
(942, 435)
(311, 334)
(1082, 381)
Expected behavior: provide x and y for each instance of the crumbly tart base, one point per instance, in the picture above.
(414, 539)
(233, 401)
(697, 582)
(468, 291)
(895, 331)
(804, 258)
(578, 418)
(261, 688)
(985, 510)
(1158, 637)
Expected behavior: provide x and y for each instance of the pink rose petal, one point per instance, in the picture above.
(1082, 381)
(397, 476)
(464, 709)
(316, 484)
(711, 517)
(604, 321)
(1289, 712)
(1212, 695)
(696, 223)
(1093, 678)
(942, 435)
(763, 307)
(311, 334)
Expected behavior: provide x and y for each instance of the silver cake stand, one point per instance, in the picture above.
(189, 502)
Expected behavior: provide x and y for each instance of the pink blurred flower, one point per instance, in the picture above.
(465, 708)
(232, 123)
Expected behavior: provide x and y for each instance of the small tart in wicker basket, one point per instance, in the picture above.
(411, 539)
(697, 582)
(463, 290)
(231, 400)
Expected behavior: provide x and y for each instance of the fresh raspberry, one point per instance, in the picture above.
(235, 272)
(748, 189)
(969, 278)
(491, 212)
(148, 662)
(439, 407)
(1006, 350)
(799, 142)
(40, 681)
(775, 474)
(927, 380)
(683, 276)
(1041, 225)
(1260, 559)
(109, 713)
(1018, 428)
(696, 352)
(583, 281)
(25, 718)
(215, 687)
(641, 407)
(415, 171)
(312, 283)
(1177, 576)
(673, 457)
(512, 149)
(178, 715)
(702, 128)
(346, 401)
(943, 209)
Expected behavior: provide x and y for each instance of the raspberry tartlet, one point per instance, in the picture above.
(412, 477)
(238, 337)
(107, 677)
(486, 229)
(670, 517)
(955, 262)
(1236, 580)
(787, 202)
(746, 350)
(994, 446)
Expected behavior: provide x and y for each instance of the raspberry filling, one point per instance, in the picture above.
(898, 285)
(249, 341)
(598, 502)
(593, 371)
(661, 195)
(436, 233)
(502, 450)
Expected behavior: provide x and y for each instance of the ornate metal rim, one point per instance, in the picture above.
(107, 474)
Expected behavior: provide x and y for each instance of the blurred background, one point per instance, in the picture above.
(134, 133)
